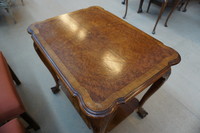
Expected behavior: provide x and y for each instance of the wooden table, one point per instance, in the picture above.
(103, 63)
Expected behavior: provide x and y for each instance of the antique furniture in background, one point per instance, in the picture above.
(6, 4)
(11, 105)
(103, 63)
(162, 3)
(183, 2)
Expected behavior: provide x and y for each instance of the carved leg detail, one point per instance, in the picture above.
(141, 112)
(54, 89)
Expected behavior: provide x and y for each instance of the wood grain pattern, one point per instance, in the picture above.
(102, 60)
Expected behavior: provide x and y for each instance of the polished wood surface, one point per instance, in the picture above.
(102, 61)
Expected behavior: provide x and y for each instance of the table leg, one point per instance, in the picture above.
(141, 112)
(100, 125)
(54, 89)
(140, 6)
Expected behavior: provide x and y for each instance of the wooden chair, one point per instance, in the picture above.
(163, 4)
(11, 105)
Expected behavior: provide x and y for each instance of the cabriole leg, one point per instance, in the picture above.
(141, 112)
(54, 89)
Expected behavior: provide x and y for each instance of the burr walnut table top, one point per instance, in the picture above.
(101, 59)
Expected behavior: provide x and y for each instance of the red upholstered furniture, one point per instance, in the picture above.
(11, 105)
(13, 126)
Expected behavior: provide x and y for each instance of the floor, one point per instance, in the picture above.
(174, 108)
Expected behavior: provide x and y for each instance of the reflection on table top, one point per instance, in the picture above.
(101, 57)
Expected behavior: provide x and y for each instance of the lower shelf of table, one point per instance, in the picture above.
(123, 112)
